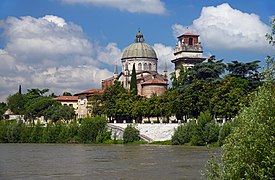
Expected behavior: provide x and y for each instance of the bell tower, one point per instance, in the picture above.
(187, 52)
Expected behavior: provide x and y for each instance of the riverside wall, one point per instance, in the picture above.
(154, 131)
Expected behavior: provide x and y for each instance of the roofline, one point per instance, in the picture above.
(85, 92)
(139, 57)
(185, 34)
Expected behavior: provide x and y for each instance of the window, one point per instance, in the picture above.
(190, 43)
(139, 66)
(146, 66)
(150, 67)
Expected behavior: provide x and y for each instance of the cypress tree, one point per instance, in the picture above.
(133, 83)
(20, 91)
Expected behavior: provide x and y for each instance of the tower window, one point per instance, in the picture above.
(150, 66)
(139, 66)
(146, 66)
(190, 42)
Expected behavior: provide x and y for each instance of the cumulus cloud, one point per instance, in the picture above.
(223, 27)
(110, 54)
(133, 6)
(44, 39)
(49, 52)
(165, 55)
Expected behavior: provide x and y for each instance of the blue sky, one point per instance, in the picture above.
(70, 45)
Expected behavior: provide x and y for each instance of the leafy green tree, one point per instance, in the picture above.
(133, 83)
(66, 94)
(130, 134)
(228, 97)
(37, 107)
(271, 37)
(210, 70)
(16, 103)
(91, 128)
(37, 92)
(248, 152)
(109, 98)
(57, 112)
(3, 108)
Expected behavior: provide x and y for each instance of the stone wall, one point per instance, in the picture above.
(156, 132)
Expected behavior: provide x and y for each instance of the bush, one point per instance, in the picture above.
(205, 131)
(130, 134)
(91, 128)
(184, 133)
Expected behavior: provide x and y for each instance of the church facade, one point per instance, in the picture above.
(144, 58)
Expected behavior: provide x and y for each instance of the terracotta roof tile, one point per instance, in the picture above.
(66, 98)
(90, 91)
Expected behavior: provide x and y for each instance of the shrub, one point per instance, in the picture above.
(90, 128)
(130, 134)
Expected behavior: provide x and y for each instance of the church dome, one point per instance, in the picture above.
(139, 49)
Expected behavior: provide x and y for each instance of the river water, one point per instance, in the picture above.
(78, 161)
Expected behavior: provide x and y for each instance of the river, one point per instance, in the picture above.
(79, 161)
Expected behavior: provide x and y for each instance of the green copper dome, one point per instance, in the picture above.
(139, 49)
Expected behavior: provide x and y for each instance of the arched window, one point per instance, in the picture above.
(150, 67)
(139, 66)
(190, 43)
(146, 66)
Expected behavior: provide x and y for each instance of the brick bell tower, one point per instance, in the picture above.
(187, 52)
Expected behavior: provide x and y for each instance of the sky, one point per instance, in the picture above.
(71, 45)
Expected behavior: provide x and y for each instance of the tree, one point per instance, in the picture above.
(67, 94)
(210, 70)
(20, 90)
(57, 112)
(38, 107)
(228, 97)
(133, 83)
(248, 152)
(130, 134)
(3, 108)
(91, 128)
(270, 37)
(16, 103)
(35, 92)
(109, 98)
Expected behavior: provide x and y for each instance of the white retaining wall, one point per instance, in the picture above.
(157, 132)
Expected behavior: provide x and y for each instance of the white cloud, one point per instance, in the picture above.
(133, 6)
(223, 27)
(165, 55)
(110, 54)
(49, 52)
(44, 40)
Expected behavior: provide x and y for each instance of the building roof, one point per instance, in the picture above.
(154, 81)
(188, 34)
(90, 91)
(66, 98)
(139, 49)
